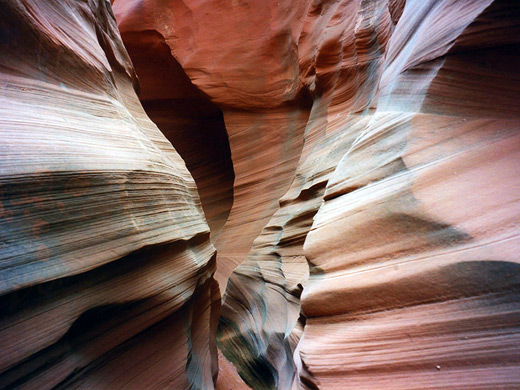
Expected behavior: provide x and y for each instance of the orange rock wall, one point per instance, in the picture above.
(355, 162)
(416, 241)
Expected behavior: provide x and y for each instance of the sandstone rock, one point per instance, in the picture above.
(251, 73)
(410, 112)
(106, 265)
(192, 123)
(356, 163)
(415, 243)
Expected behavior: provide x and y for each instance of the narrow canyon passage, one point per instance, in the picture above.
(298, 107)
(265, 195)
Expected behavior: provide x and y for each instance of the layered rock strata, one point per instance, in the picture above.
(416, 242)
(407, 146)
(188, 119)
(106, 264)
(249, 72)
(355, 159)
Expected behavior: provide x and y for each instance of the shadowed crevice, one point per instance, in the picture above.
(188, 119)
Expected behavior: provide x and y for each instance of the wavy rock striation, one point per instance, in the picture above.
(416, 242)
(374, 145)
(106, 264)
(189, 120)
(356, 163)
(390, 129)
(251, 74)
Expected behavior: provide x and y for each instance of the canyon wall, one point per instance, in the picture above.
(356, 164)
(374, 146)
(106, 263)
(426, 296)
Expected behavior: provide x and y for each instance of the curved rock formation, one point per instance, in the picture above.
(416, 244)
(188, 119)
(106, 265)
(410, 111)
(254, 83)
(356, 162)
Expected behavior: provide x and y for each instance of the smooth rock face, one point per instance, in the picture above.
(106, 265)
(249, 69)
(416, 243)
(356, 162)
(375, 146)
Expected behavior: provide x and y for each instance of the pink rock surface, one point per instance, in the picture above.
(407, 114)
(415, 281)
(356, 163)
(106, 264)
(255, 83)
(193, 125)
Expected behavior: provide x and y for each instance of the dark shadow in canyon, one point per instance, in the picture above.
(191, 122)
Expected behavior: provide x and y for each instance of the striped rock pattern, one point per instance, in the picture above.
(398, 221)
(106, 264)
(356, 162)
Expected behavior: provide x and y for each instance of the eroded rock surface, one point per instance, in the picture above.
(356, 162)
(395, 189)
(416, 281)
(106, 264)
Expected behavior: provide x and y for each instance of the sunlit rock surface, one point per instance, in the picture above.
(106, 265)
(374, 146)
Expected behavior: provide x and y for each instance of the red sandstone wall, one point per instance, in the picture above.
(355, 161)
(105, 260)
(407, 114)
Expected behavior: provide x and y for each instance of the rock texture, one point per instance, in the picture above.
(415, 247)
(188, 119)
(106, 264)
(356, 162)
(375, 143)
(254, 82)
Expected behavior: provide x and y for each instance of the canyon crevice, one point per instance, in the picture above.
(246, 194)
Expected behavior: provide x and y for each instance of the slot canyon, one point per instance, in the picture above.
(260, 194)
